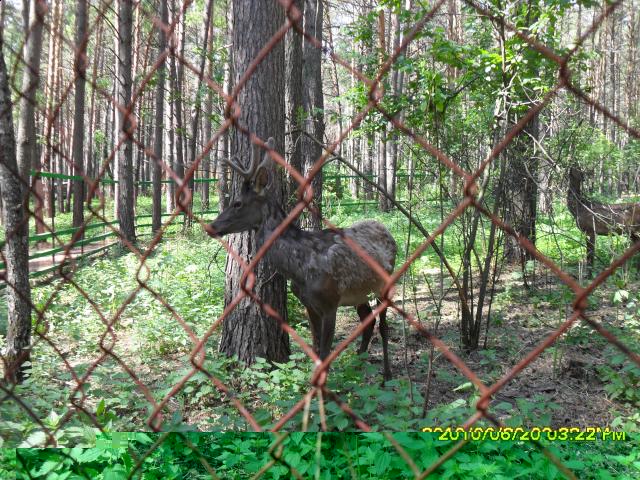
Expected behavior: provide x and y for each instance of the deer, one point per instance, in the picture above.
(325, 272)
(595, 218)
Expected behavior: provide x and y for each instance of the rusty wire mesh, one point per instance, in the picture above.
(317, 383)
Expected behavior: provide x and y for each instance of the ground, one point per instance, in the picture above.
(566, 376)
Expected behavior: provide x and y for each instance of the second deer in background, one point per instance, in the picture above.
(595, 218)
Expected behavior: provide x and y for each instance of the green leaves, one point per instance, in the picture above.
(330, 455)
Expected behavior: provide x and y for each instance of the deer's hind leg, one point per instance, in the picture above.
(635, 238)
(384, 333)
(591, 252)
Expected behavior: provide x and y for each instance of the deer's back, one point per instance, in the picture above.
(353, 277)
(608, 218)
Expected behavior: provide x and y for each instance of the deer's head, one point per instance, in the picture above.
(245, 211)
(576, 177)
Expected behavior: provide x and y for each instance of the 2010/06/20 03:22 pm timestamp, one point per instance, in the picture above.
(571, 434)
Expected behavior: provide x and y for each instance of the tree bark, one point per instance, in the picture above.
(124, 128)
(53, 79)
(383, 202)
(94, 113)
(26, 138)
(80, 68)
(38, 188)
(33, 13)
(223, 181)
(156, 169)
(176, 82)
(208, 112)
(195, 112)
(171, 186)
(521, 177)
(313, 102)
(522, 191)
(396, 86)
(248, 332)
(16, 248)
(293, 85)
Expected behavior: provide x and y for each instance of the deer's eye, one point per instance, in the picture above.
(237, 204)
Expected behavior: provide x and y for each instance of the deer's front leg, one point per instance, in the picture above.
(315, 319)
(364, 310)
(323, 327)
(591, 252)
(315, 324)
(322, 304)
(328, 325)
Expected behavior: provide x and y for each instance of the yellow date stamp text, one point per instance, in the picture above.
(563, 434)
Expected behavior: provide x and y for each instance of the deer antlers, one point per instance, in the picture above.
(254, 167)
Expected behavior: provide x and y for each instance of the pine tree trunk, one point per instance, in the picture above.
(123, 127)
(156, 168)
(26, 137)
(16, 247)
(195, 112)
(313, 102)
(208, 111)
(171, 151)
(294, 98)
(223, 171)
(176, 83)
(27, 155)
(80, 68)
(248, 332)
(94, 113)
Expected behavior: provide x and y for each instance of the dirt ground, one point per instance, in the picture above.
(565, 374)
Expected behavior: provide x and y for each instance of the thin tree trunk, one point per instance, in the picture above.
(94, 113)
(195, 113)
(313, 102)
(171, 186)
(125, 211)
(208, 112)
(223, 171)
(294, 98)
(156, 169)
(175, 79)
(16, 247)
(34, 13)
(26, 138)
(368, 152)
(80, 68)
(382, 135)
(61, 116)
(396, 86)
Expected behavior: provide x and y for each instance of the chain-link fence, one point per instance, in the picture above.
(63, 254)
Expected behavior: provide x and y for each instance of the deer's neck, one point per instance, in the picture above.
(574, 197)
(287, 254)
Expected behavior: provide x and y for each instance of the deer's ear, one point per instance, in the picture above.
(261, 177)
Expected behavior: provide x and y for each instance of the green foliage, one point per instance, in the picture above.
(188, 273)
(8, 464)
(321, 455)
(620, 375)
